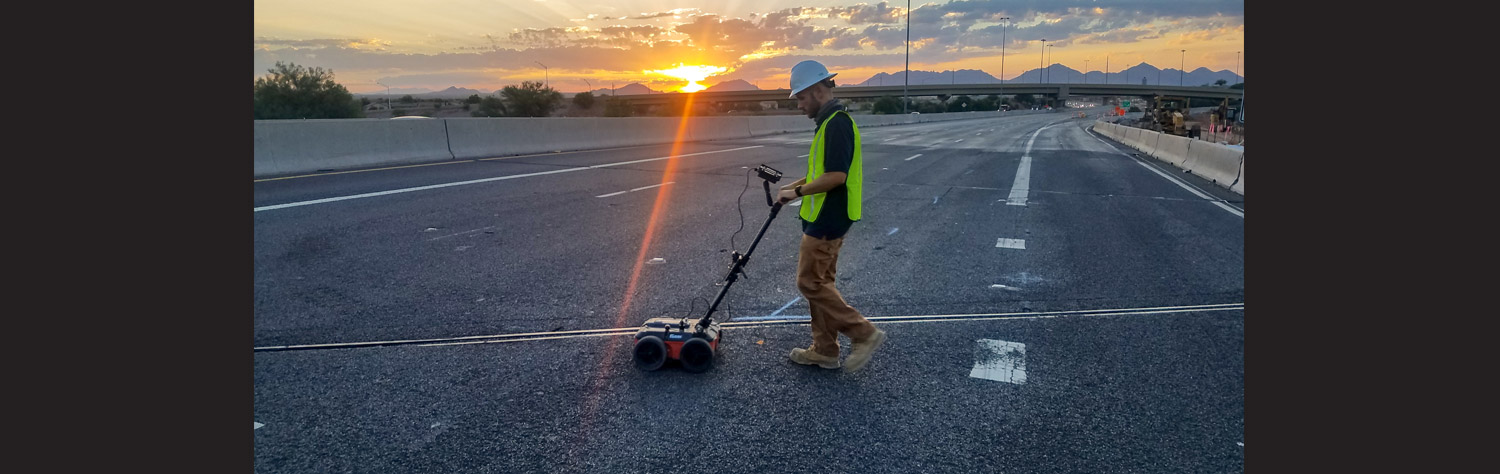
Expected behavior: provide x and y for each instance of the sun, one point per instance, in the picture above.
(691, 74)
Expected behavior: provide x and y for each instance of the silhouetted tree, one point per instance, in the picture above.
(530, 99)
(616, 107)
(584, 100)
(490, 107)
(886, 105)
(296, 92)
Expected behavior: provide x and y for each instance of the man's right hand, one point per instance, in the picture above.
(786, 195)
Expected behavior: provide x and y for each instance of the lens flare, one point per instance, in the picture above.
(691, 74)
(658, 210)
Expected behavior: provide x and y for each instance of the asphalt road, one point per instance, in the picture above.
(1097, 327)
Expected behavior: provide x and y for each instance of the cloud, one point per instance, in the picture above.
(673, 13)
(863, 13)
(272, 43)
(853, 36)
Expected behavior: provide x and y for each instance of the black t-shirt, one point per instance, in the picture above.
(838, 153)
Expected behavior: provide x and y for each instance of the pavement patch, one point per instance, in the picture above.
(1002, 361)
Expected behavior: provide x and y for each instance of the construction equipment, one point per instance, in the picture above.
(1166, 115)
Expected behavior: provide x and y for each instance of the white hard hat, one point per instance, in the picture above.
(807, 73)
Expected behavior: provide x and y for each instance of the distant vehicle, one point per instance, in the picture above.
(410, 117)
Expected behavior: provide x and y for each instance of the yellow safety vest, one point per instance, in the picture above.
(813, 203)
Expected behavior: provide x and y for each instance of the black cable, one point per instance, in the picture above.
(739, 205)
(694, 304)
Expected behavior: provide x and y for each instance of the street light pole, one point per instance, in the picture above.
(906, 75)
(1237, 66)
(1041, 61)
(1182, 71)
(545, 73)
(387, 98)
(1049, 63)
(1085, 71)
(1002, 60)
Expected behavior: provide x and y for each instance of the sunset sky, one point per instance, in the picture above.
(486, 44)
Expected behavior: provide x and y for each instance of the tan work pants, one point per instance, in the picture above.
(817, 261)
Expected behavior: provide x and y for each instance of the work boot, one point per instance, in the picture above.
(860, 355)
(807, 357)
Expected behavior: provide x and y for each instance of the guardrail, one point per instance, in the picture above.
(284, 147)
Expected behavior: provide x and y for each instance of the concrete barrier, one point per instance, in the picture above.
(717, 128)
(1133, 138)
(1111, 130)
(1103, 128)
(778, 124)
(303, 146)
(1224, 165)
(1172, 149)
(1218, 163)
(1239, 185)
(1150, 141)
(487, 137)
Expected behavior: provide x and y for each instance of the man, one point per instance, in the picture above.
(830, 205)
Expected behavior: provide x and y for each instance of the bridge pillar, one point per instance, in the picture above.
(1062, 96)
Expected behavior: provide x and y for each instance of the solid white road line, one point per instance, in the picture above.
(1022, 186)
(1180, 183)
(485, 180)
(913, 156)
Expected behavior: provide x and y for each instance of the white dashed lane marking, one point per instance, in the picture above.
(634, 190)
(1011, 243)
(1022, 185)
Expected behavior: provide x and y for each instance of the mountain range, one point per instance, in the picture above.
(1055, 73)
(1060, 73)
